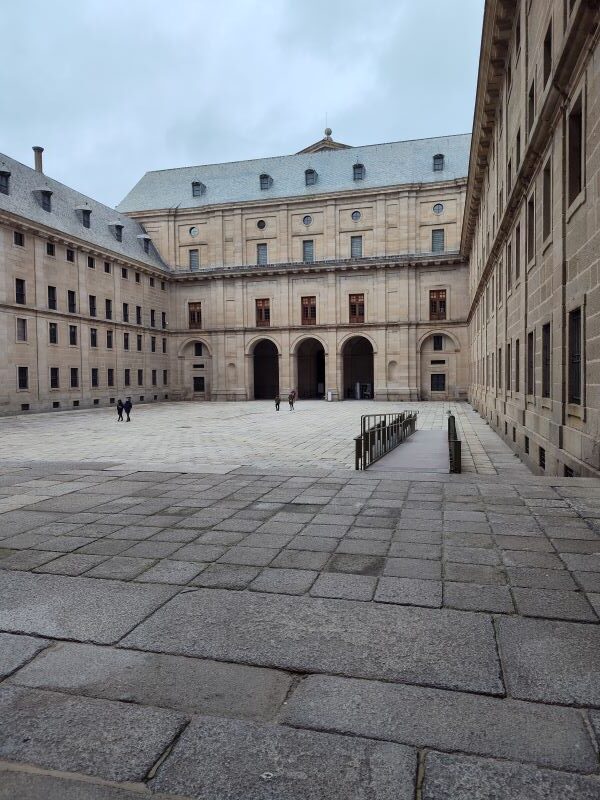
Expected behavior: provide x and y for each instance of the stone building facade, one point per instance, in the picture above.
(532, 232)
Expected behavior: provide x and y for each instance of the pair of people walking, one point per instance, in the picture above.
(291, 400)
(124, 407)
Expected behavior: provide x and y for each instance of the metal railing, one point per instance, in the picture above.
(381, 433)
(454, 446)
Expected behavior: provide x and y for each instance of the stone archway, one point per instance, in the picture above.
(310, 363)
(196, 361)
(265, 359)
(358, 372)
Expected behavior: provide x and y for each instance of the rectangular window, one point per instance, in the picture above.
(542, 458)
(530, 362)
(52, 297)
(518, 150)
(107, 267)
(165, 377)
(437, 304)
(139, 342)
(109, 340)
(547, 200)
(575, 150)
(50, 249)
(261, 254)
(74, 377)
(531, 106)
(93, 337)
(154, 380)
(357, 308)
(138, 277)
(575, 353)
(517, 253)
(70, 255)
(4, 182)
(309, 310)
(517, 366)
(125, 341)
(263, 313)
(546, 362)
(92, 305)
(163, 319)
(54, 378)
(530, 228)
(19, 239)
(152, 318)
(437, 240)
(108, 309)
(140, 377)
(127, 377)
(125, 312)
(499, 366)
(91, 262)
(138, 315)
(110, 377)
(71, 302)
(509, 266)
(509, 177)
(94, 377)
(308, 250)
(195, 315)
(52, 333)
(21, 330)
(20, 294)
(438, 342)
(548, 54)
(152, 344)
(198, 348)
(151, 282)
(23, 378)
(163, 286)
(194, 259)
(164, 345)
(198, 383)
(356, 246)
(124, 273)
(508, 367)
(438, 382)
(72, 334)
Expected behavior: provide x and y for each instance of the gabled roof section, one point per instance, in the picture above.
(326, 143)
(391, 164)
(65, 217)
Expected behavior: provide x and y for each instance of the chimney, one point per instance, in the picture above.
(38, 158)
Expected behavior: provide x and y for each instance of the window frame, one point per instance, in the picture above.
(356, 308)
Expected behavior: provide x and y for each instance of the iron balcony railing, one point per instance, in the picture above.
(381, 433)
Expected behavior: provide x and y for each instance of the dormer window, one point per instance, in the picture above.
(438, 162)
(119, 233)
(198, 188)
(4, 182)
(358, 172)
(266, 181)
(46, 200)
(310, 177)
(145, 240)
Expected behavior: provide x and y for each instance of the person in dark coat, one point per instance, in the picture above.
(119, 410)
(291, 398)
(277, 402)
(127, 406)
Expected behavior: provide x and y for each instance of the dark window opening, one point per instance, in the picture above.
(438, 162)
(195, 315)
(438, 382)
(358, 172)
(530, 362)
(53, 333)
(575, 154)
(548, 54)
(50, 249)
(357, 308)
(23, 378)
(20, 296)
(438, 342)
(263, 313)
(575, 355)
(546, 360)
(310, 177)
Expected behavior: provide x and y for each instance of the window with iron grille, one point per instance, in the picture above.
(140, 377)
(547, 200)
(127, 377)
(108, 309)
(52, 297)
(195, 315)
(263, 313)
(70, 254)
(152, 318)
(530, 228)
(23, 378)
(517, 252)
(261, 254)
(107, 267)
(530, 362)
(125, 312)
(138, 315)
(71, 302)
(265, 181)
(153, 344)
(356, 308)
(19, 238)
(21, 330)
(109, 340)
(124, 273)
(20, 295)
(74, 377)
(165, 377)
(198, 188)
(138, 277)
(358, 172)
(517, 366)
(438, 382)
(437, 240)
(153, 377)
(93, 337)
(438, 342)
(310, 177)
(438, 162)
(508, 366)
(548, 54)
(110, 377)
(437, 304)
(50, 249)
(546, 360)
(499, 366)
(54, 378)
(94, 377)
(163, 319)
(509, 266)
(139, 342)
(91, 262)
(194, 257)
(125, 341)
(4, 182)
(308, 250)
(542, 458)
(53, 333)
(356, 246)
(309, 310)
(575, 352)
(164, 345)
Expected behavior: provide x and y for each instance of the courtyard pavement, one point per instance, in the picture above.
(291, 630)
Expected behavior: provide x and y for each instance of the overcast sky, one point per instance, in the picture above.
(113, 88)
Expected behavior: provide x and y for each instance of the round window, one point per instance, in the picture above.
(194, 231)
(307, 220)
(261, 224)
(438, 208)
(356, 215)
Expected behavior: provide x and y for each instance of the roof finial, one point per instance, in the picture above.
(328, 133)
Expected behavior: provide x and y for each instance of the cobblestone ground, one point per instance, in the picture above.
(294, 633)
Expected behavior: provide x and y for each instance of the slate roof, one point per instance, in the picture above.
(24, 200)
(388, 164)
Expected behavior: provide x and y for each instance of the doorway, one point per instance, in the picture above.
(266, 370)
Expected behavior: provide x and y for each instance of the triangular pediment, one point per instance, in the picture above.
(326, 143)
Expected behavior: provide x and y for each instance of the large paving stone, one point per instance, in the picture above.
(187, 684)
(554, 662)
(239, 760)
(116, 741)
(75, 608)
(31, 786)
(424, 717)
(17, 650)
(416, 645)
(466, 778)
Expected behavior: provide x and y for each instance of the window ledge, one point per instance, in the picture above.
(546, 244)
(576, 204)
(546, 403)
(575, 410)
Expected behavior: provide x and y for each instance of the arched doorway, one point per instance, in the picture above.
(196, 370)
(357, 355)
(310, 358)
(266, 370)
(438, 367)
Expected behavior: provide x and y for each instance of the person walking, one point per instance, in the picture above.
(277, 402)
(119, 410)
(291, 398)
(127, 406)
